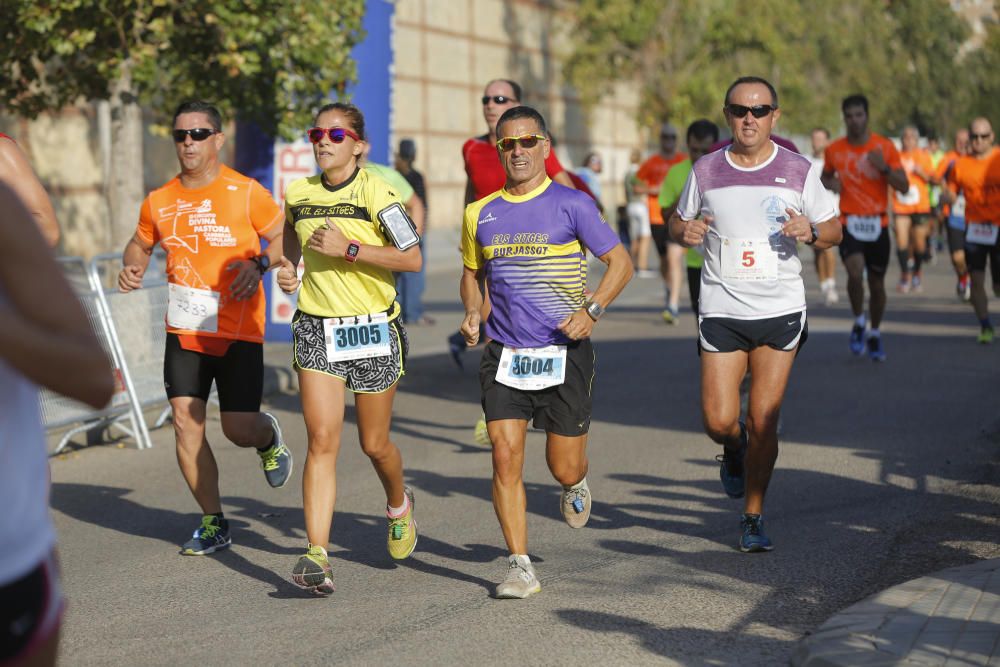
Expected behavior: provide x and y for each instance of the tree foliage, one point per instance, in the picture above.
(902, 54)
(267, 60)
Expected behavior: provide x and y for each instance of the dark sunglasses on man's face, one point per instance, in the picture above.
(497, 99)
(758, 111)
(197, 134)
(336, 134)
(980, 136)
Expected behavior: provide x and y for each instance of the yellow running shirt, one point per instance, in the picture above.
(332, 286)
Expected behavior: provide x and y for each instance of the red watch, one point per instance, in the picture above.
(351, 254)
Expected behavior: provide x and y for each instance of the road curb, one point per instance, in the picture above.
(949, 617)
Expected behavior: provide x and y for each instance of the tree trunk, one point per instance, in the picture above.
(125, 177)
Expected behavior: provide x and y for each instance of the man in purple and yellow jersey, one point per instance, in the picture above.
(526, 242)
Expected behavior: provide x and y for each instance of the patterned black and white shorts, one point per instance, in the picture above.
(367, 376)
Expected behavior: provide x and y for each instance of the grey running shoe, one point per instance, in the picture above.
(312, 571)
(575, 505)
(520, 581)
(211, 535)
(276, 460)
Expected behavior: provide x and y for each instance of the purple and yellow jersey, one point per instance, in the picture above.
(532, 249)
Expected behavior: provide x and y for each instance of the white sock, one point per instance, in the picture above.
(522, 559)
(860, 321)
(874, 333)
(396, 512)
(579, 485)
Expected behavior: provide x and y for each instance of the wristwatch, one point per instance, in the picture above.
(594, 309)
(263, 263)
(351, 254)
(815, 235)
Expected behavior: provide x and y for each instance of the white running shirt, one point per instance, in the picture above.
(751, 271)
(26, 529)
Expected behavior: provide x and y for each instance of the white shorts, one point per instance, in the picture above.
(638, 219)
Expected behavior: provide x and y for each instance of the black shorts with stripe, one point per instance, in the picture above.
(725, 334)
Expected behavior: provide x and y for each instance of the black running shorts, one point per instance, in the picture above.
(238, 375)
(661, 235)
(564, 409)
(30, 611)
(725, 334)
(876, 252)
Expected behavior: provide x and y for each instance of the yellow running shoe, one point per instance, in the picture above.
(480, 433)
(312, 571)
(403, 531)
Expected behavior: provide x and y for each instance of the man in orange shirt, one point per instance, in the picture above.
(860, 166)
(209, 219)
(649, 179)
(913, 210)
(953, 211)
(978, 176)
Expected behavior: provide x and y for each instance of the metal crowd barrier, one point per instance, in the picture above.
(122, 412)
(131, 330)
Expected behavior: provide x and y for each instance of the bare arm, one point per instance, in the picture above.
(16, 172)
(46, 335)
(830, 181)
(135, 260)
(579, 324)
(471, 289)
(563, 179)
(415, 207)
(329, 240)
(897, 179)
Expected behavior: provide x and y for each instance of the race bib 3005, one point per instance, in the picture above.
(360, 337)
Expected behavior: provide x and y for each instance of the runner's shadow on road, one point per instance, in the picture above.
(671, 643)
(108, 507)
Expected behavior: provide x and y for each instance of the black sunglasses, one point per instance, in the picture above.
(497, 99)
(739, 111)
(980, 136)
(197, 134)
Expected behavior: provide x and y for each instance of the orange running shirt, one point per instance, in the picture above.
(202, 232)
(862, 187)
(652, 172)
(979, 179)
(917, 199)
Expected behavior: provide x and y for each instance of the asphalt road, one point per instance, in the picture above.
(886, 472)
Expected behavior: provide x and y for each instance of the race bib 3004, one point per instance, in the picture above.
(866, 228)
(748, 259)
(192, 309)
(532, 367)
(360, 337)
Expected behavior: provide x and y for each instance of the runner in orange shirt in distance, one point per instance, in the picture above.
(859, 166)
(913, 211)
(650, 177)
(978, 176)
